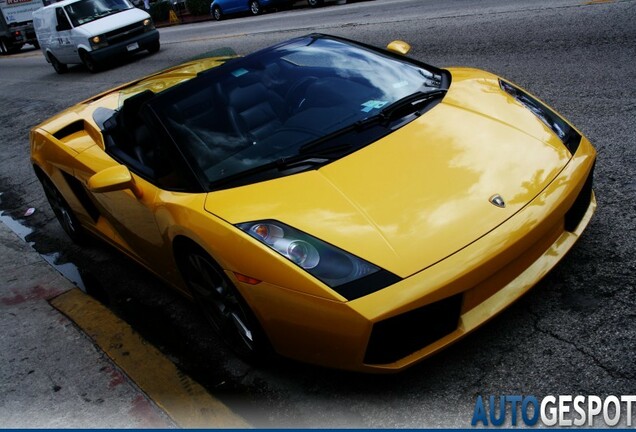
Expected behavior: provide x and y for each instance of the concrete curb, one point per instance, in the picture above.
(79, 366)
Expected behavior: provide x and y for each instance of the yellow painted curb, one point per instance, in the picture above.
(182, 398)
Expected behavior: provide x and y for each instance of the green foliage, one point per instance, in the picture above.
(198, 7)
(160, 11)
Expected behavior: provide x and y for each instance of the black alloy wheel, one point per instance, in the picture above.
(63, 212)
(255, 7)
(223, 306)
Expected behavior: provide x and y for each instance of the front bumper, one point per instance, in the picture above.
(403, 324)
(144, 41)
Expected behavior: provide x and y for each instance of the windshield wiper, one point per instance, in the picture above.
(411, 104)
(316, 159)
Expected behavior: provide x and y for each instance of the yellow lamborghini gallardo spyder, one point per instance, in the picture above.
(323, 199)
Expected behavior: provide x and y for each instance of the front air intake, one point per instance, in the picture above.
(401, 335)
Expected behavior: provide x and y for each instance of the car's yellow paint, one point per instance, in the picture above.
(414, 203)
(399, 47)
(115, 178)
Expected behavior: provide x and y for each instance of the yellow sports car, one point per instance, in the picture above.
(326, 200)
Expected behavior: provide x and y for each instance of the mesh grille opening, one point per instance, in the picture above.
(401, 335)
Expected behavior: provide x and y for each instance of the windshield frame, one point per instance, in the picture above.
(106, 8)
(278, 166)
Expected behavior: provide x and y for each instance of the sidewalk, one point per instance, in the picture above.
(83, 367)
(52, 374)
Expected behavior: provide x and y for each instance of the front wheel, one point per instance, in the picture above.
(154, 47)
(255, 7)
(88, 62)
(315, 3)
(222, 305)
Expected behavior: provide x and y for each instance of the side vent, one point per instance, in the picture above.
(76, 126)
(82, 196)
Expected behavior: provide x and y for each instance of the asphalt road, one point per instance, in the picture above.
(574, 333)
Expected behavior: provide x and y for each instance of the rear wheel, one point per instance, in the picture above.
(255, 7)
(217, 14)
(222, 304)
(8, 47)
(63, 212)
(88, 62)
(59, 67)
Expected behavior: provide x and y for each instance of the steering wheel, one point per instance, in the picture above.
(296, 94)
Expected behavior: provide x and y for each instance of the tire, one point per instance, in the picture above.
(63, 212)
(154, 47)
(217, 14)
(36, 44)
(60, 68)
(222, 305)
(88, 62)
(316, 3)
(255, 7)
(8, 47)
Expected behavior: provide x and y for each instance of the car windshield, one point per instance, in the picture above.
(242, 118)
(85, 11)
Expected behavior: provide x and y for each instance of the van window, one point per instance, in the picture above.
(62, 21)
(85, 11)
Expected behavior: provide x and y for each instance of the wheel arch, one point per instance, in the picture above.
(181, 243)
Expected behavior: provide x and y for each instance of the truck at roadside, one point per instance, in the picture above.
(16, 24)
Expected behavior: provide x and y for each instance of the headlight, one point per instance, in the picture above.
(98, 42)
(348, 275)
(570, 137)
(148, 24)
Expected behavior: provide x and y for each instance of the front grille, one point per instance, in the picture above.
(577, 211)
(124, 33)
(401, 335)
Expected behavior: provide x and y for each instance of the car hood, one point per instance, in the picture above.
(422, 193)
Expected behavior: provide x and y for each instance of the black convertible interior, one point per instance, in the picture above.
(257, 109)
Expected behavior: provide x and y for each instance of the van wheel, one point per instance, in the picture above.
(59, 67)
(154, 47)
(88, 62)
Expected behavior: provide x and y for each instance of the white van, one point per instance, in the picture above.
(92, 31)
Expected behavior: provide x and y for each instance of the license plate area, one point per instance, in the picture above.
(132, 46)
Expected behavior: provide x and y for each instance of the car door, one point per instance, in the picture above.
(233, 6)
(126, 217)
(62, 42)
